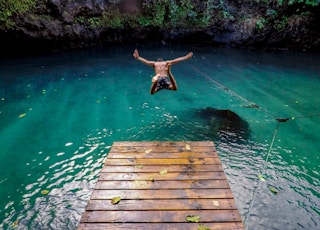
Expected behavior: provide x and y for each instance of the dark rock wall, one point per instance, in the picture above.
(56, 24)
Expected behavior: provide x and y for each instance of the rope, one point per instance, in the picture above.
(231, 92)
(262, 172)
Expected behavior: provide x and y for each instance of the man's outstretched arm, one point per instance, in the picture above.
(179, 59)
(143, 60)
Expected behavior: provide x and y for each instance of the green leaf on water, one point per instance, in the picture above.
(273, 189)
(22, 115)
(203, 227)
(193, 218)
(261, 177)
(44, 192)
(15, 224)
(116, 200)
(139, 166)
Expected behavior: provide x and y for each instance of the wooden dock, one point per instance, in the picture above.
(162, 185)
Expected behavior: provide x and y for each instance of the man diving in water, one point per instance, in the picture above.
(163, 78)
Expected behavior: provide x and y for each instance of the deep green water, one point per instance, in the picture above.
(60, 114)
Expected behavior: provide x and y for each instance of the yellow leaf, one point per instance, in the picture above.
(273, 189)
(148, 151)
(44, 192)
(139, 166)
(163, 171)
(116, 200)
(22, 115)
(215, 203)
(203, 227)
(151, 179)
(188, 147)
(193, 218)
(15, 224)
(261, 178)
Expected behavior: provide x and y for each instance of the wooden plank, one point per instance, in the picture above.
(162, 143)
(162, 149)
(158, 184)
(131, 154)
(160, 216)
(168, 176)
(157, 168)
(160, 226)
(163, 204)
(159, 161)
(162, 194)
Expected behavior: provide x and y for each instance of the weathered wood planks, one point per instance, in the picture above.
(160, 184)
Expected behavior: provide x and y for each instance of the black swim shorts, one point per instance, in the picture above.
(163, 83)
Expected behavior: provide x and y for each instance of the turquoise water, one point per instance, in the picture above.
(60, 114)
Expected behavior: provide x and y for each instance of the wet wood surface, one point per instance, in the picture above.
(159, 185)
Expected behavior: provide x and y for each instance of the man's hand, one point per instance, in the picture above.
(136, 54)
(189, 55)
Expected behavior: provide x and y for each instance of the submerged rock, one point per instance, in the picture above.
(224, 120)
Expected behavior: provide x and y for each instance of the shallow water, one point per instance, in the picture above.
(60, 114)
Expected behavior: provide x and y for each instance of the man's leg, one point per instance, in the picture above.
(154, 84)
(173, 85)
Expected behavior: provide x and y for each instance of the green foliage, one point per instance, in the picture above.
(174, 13)
(280, 24)
(10, 8)
(260, 24)
(307, 2)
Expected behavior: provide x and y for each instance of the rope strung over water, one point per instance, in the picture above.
(279, 120)
(260, 176)
(250, 104)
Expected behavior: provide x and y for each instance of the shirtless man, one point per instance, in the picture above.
(163, 78)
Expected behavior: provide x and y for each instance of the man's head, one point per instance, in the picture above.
(159, 59)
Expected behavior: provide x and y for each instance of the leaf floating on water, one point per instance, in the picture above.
(116, 200)
(193, 218)
(44, 192)
(22, 115)
(188, 147)
(163, 172)
(273, 190)
(139, 166)
(151, 179)
(148, 151)
(215, 203)
(203, 227)
(15, 224)
(261, 178)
